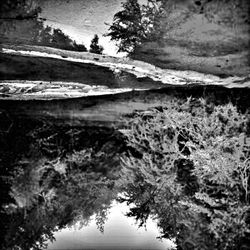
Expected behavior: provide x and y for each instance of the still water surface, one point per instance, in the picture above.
(59, 172)
(59, 188)
(120, 232)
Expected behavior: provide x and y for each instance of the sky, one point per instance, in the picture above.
(120, 232)
(82, 19)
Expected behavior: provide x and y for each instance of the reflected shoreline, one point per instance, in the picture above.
(120, 232)
(57, 171)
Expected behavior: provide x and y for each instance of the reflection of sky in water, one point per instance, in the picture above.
(120, 232)
(82, 19)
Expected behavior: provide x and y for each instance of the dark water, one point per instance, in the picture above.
(71, 179)
(62, 178)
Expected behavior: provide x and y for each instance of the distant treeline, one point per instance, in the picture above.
(20, 24)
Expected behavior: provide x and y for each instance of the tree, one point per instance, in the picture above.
(56, 38)
(126, 28)
(94, 46)
(59, 39)
(79, 47)
(133, 24)
(19, 23)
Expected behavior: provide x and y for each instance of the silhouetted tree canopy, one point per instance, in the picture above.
(136, 23)
(185, 163)
(133, 24)
(94, 46)
(127, 27)
(20, 24)
(57, 178)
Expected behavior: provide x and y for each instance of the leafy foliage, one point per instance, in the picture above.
(20, 24)
(94, 46)
(59, 180)
(189, 167)
(133, 24)
(56, 38)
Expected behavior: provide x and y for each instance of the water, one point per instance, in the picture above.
(59, 188)
(73, 177)
(120, 232)
(63, 180)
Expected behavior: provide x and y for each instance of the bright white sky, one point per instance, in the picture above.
(120, 232)
(81, 20)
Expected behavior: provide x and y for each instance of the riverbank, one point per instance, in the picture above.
(48, 68)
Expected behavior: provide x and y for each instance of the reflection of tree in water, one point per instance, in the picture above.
(190, 169)
(58, 176)
(187, 166)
